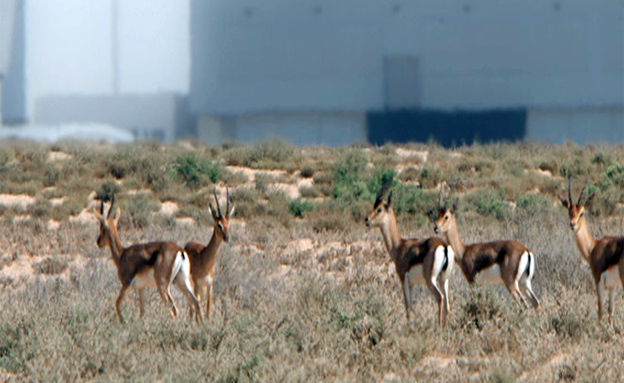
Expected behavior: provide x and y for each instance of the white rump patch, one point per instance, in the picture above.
(611, 278)
(522, 266)
(489, 276)
(144, 279)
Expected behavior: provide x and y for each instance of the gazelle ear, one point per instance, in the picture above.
(589, 200)
(231, 212)
(96, 213)
(116, 216)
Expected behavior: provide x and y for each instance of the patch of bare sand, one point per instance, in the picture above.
(299, 246)
(57, 201)
(185, 221)
(23, 267)
(169, 208)
(251, 173)
(290, 190)
(21, 200)
(52, 225)
(59, 156)
(422, 155)
(85, 217)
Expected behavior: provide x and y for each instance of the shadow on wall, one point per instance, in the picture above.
(448, 128)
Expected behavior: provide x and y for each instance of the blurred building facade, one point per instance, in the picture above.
(12, 63)
(329, 72)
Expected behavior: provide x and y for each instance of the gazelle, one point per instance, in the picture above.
(154, 264)
(204, 258)
(605, 256)
(507, 262)
(417, 261)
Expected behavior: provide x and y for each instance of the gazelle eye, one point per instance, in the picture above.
(446, 217)
(379, 210)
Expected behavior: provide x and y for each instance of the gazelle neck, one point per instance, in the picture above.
(584, 240)
(390, 233)
(454, 239)
(214, 245)
(116, 247)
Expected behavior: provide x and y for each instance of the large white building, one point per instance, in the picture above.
(12, 58)
(316, 71)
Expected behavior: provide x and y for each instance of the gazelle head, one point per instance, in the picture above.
(382, 210)
(108, 223)
(222, 222)
(446, 215)
(577, 210)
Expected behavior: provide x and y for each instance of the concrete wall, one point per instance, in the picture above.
(332, 129)
(285, 56)
(580, 125)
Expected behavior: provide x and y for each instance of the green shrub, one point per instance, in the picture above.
(488, 202)
(430, 176)
(298, 207)
(197, 170)
(140, 208)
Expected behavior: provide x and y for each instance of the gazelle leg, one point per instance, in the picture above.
(142, 302)
(209, 304)
(611, 304)
(437, 295)
(527, 292)
(407, 295)
(599, 293)
(184, 284)
(165, 294)
(120, 299)
(446, 297)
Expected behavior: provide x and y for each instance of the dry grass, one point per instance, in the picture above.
(305, 299)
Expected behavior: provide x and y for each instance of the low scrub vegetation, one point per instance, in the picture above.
(304, 290)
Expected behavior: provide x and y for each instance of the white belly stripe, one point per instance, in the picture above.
(144, 279)
(489, 276)
(416, 276)
(612, 278)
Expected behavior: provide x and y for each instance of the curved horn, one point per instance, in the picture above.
(570, 188)
(383, 191)
(217, 201)
(583, 190)
(227, 206)
(102, 207)
(110, 211)
(440, 197)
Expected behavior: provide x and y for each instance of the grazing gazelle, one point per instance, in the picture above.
(417, 261)
(605, 256)
(507, 262)
(204, 258)
(154, 264)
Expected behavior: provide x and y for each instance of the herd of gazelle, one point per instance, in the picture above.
(508, 262)
(427, 261)
(159, 264)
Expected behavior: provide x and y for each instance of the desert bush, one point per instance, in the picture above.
(140, 208)
(310, 191)
(430, 176)
(51, 265)
(298, 207)
(489, 202)
(197, 171)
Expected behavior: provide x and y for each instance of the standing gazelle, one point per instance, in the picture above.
(154, 264)
(417, 261)
(507, 262)
(204, 258)
(605, 256)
